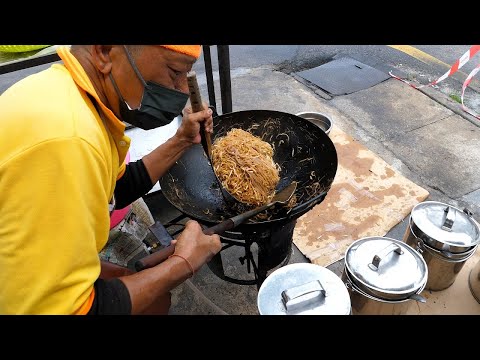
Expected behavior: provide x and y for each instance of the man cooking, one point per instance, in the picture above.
(62, 172)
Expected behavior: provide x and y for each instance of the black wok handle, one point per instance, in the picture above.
(196, 101)
(220, 227)
(163, 254)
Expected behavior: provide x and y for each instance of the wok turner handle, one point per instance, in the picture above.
(196, 101)
(220, 227)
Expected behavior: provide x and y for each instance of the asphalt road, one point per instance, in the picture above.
(420, 64)
(300, 57)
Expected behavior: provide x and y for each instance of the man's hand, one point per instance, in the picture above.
(195, 246)
(189, 130)
(150, 288)
(164, 156)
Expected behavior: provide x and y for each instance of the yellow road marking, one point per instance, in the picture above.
(419, 55)
(428, 59)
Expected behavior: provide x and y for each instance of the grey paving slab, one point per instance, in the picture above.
(445, 154)
(390, 108)
(473, 197)
(266, 89)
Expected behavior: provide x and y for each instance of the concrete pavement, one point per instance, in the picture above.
(423, 136)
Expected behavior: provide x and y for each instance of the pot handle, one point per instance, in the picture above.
(449, 219)
(382, 254)
(291, 298)
(421, 248)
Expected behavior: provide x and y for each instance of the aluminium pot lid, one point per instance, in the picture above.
(303, 289)
(446, 224)
(385, 267)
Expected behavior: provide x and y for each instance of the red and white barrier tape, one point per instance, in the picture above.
(464, 86)
(455, 67)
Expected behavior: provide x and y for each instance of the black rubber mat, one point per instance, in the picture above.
(343, 76)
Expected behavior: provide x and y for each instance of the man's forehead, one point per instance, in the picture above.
(173, 56)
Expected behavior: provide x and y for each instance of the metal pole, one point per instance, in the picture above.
(209, 74)
(225, 83)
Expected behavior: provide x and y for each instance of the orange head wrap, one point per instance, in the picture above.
(192, 50)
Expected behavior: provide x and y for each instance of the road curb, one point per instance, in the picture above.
(449, 104)
(317, 90)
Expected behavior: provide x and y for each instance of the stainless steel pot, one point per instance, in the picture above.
(443, 267)
(385, 268)
(444, 227)
(303, 289)
(446, 237)
(474, 281)
(366, 304)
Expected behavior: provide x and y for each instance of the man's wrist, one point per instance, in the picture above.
(180, 142)
(180, 268)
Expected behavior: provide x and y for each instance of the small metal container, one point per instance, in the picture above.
(303, 289)
(383, 275)
(446, 237)
(474, 281)
(323, 121)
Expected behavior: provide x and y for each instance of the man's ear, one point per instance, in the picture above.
(101, 58)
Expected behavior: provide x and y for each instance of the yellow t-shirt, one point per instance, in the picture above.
(58, 168)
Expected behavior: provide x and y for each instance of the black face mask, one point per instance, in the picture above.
(159, 105)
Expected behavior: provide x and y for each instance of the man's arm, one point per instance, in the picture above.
(163, 157)
(110, 270)
(140, 176)
(192, 250)
(148, 291)
(134, 183)
(137, 180)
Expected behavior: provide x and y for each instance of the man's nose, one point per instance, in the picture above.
(183, 86)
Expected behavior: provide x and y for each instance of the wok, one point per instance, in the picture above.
(304, 152)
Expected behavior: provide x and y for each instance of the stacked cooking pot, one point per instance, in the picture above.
(446, 237)
(383, 276)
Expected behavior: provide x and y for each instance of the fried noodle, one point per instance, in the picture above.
(244, 164)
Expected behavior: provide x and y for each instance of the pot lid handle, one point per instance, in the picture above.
(449, 219)
(300, 297)
(468, 211)
(382, 254)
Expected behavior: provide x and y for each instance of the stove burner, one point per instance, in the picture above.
(274, 249)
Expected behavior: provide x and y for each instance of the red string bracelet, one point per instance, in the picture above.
(188, 262)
